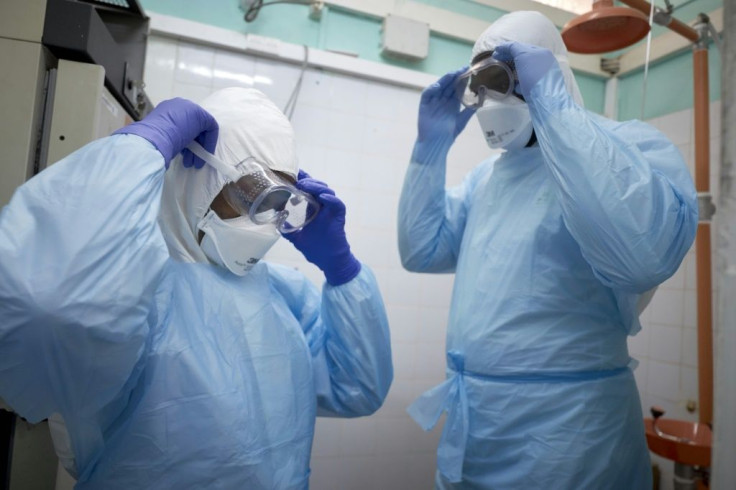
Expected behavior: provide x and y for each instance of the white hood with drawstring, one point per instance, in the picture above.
(531, 28)
(250, 125)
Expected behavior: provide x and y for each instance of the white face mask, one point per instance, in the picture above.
(505, 124)
(236, 244)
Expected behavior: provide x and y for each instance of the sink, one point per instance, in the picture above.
(695, 451)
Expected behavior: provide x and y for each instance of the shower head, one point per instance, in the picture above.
(605, 28)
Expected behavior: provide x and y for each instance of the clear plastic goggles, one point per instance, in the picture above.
(487, 78)
(258, 192)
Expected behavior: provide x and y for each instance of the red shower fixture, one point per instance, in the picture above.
(605, 28)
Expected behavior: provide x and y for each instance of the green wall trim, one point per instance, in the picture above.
(669, 86)
(468, 8)
(349, 32)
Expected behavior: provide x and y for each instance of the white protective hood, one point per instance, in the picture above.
(250, 124)
(530, 28)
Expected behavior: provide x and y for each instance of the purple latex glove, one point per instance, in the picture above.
(531, 62)
(441, 116)
(172, 125)
(323, 241)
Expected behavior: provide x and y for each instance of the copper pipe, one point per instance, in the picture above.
(705, 323)
(683, 29)
(675, 25)
(701, 106)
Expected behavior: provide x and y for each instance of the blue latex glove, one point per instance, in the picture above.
(441, 116)
(531, 62)
(172, 125)
(323, 241)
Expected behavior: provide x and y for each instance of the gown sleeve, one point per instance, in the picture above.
(80, 252)
(626, 194)
(347, 332)
(431, 218)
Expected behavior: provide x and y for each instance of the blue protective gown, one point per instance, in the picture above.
(170, 375)
(552, 246)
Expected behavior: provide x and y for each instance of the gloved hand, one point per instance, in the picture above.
(441, 116)
(172, 125)
(531, 62)
(323, 241)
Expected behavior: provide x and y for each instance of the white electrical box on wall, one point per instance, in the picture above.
(404, 38)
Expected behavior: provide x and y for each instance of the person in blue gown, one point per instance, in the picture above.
(125, 316)
(553, 243)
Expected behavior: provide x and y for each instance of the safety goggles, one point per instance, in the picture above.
(261, 194)
(486, 78)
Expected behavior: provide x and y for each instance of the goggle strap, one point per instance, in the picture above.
(214, 162)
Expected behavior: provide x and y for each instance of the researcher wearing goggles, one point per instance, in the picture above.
(255, 207)
(490, 87)
(264, 195)
(553, 239)
(139, 317)
(487, 78)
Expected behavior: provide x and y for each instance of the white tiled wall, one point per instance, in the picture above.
(667, 345)
(357, 136)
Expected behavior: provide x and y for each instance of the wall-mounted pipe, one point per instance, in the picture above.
(682, 29)
(703, 238)
(662, 46)
(674, 25)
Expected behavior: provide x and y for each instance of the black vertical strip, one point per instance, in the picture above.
(7, 430)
